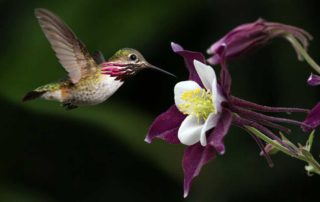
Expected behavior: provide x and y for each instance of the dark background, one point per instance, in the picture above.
(97, 153)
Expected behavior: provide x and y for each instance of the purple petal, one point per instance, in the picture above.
(313, 119)
(194, 158)
(189, 57)
(166, 126)
(217, 135)
(176, 47)
(225, 77)
(214, 60)
(313, 80)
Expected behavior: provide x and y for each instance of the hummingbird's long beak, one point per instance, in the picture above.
(148, 65)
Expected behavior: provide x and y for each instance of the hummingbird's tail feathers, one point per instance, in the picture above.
(33, 95)
(49, 91)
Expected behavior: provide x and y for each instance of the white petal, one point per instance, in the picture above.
(210, 123)
(206, 74)
(217, 97)
(181, 87)
(190, 130)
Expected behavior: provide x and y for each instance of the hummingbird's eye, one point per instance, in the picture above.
(133, 57)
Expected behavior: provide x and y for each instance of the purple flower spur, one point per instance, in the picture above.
(250, 36)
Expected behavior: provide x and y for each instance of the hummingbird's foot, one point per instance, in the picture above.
(68, 106)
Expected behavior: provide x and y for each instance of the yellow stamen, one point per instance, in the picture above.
(197, 102)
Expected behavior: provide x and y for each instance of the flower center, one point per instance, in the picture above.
(197, 102)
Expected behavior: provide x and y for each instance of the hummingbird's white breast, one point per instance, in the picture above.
(95, 91)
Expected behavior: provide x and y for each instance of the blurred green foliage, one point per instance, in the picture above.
(98, 153)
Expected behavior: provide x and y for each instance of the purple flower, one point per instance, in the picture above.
(203, 112)
(247, 37)
(313, 119)
(314, 80)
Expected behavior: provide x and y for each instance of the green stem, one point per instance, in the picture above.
(270, 141)
(304, 156)
(296, 44)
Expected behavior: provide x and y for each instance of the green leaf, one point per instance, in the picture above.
(309, 141)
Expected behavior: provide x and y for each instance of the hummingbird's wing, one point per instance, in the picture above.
(71, 52)
(98, 57)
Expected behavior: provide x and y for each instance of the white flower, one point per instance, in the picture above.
(203, 106)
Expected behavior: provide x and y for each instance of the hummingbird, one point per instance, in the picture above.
(91, 79)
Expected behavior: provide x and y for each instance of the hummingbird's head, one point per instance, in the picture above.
(127, 62)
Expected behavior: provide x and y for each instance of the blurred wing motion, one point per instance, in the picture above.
(70, 51)
(98, 57)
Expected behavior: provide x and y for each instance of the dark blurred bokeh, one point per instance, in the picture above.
(98, 153)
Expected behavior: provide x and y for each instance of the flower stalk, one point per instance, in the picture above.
(302, 52)
(299, 152)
